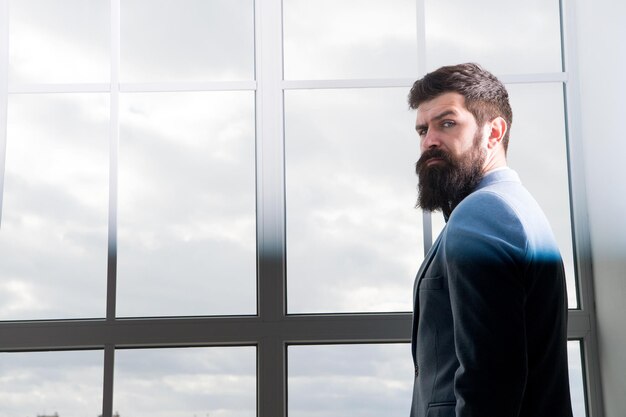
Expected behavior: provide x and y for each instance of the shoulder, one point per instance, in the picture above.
(485, 219)
(485, 208)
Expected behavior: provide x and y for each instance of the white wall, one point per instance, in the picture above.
(602, 74)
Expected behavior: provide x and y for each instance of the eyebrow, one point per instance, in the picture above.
(437, 117)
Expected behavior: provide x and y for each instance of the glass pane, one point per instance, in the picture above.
(187, 40)
(59, 41)
(438, 223)
(187, 228)
(184, 382)
(330, 39)
(349, 380)
(67, 384)
(53, 238)
(538, 152)
(576, 380)
(504, 36)
(354, 238)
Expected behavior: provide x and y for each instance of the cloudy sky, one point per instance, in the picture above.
(187, 189)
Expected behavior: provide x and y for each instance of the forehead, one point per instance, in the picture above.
(452, 101)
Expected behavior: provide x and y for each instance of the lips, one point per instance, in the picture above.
(433, 161)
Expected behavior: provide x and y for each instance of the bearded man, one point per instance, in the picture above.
(490, 307)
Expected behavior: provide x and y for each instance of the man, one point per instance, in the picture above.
(490, 320)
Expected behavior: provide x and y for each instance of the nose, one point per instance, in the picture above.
(430, 140)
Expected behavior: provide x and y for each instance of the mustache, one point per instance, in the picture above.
(430, 154)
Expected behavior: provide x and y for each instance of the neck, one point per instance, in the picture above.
(496, 160)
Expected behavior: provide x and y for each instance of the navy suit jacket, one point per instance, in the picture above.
(490, 311)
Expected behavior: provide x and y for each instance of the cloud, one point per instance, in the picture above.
(34, 383)
(340, 380)
(350, 186)
(349, 39)
(187, 204)
(57, 44)
(505, 37)
(187, 40)
(218, 381)
(54, 226)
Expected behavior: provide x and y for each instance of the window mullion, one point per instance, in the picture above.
(114, 131)
(107, 395)
(579, 214)
(420, 18)
(113, 159)
(270, 160)
(271, 293)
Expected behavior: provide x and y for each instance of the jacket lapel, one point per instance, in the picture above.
(420, 274)
(427, 261)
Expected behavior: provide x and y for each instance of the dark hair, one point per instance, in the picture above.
(485, 96)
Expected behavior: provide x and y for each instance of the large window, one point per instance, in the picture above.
(207, 206)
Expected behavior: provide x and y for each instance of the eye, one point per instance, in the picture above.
(421, 132)
(448, 123)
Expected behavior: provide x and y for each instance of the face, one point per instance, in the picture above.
(453, 152)
(444, 123)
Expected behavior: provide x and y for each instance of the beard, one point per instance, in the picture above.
(444, 184)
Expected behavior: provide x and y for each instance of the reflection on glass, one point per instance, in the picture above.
(353, 235)
(576, 380)
(65, 383)
(330, 39)
(53, 237)
(59, 41)
(184, 382)
(349, 380)
(187, 229)
(506, 37)
(538, 152)
(187, 40)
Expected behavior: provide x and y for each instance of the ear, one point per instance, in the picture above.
(498, 128)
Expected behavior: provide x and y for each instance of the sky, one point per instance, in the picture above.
(187, 189)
